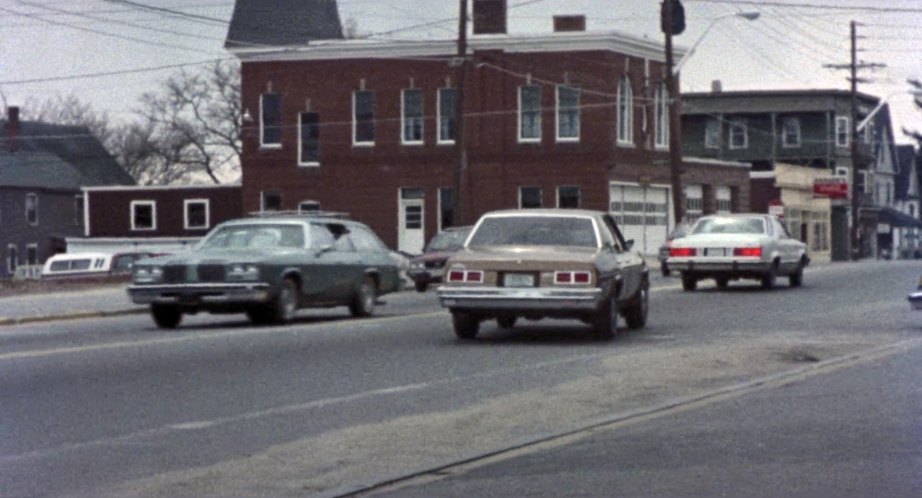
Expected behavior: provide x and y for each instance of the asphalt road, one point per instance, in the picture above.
(331, 405)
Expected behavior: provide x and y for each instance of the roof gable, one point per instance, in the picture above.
(280, 23)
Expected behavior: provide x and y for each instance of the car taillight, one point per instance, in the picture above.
(682, 252)
(748, 252)
(471, 276)
(572, 277)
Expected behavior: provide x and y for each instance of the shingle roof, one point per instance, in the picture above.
(38, 169)
(73, 145)
(905, 160)
(279, 23)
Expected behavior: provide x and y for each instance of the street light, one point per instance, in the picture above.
(675, 123)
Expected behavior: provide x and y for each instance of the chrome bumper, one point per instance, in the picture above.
(915, 300)
(426, 274)
(508, 298)
(197, 294)
(719, 266)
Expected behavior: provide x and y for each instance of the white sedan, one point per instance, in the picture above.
(737, 246)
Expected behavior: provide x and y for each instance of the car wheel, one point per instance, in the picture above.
(769, 278)
(506, 322)
(363, 301)
(283, 307)
(689, 283)
(664, 269)
(605, 321)
(722, 282)
(165, 316)
(421, 286)
(466, 325)
(636, 314)
(796, 279)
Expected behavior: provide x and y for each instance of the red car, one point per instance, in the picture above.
(429, 267)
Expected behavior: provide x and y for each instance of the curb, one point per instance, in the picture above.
(70, 316)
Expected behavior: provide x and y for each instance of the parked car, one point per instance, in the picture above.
(915, 298)
(737, 246)
(537, 263)
(91, 266)
(268, 267)
(681, 230)
(429, 267)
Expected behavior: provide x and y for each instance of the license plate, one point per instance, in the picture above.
(715, 251)
(519, 280)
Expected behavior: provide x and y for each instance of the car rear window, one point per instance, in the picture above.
(255, 236)
(448, 241)
(535, 231)
(730, 225)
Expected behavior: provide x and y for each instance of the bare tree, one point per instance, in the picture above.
(194, 123)
(917, 92)
(70, 110)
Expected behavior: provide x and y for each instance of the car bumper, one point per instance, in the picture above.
(915, 300)
(426, 274)
(505, 298)
(720, 266)
(199, 294)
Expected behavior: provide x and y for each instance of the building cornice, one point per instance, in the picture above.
(139, 188)
(610, 41)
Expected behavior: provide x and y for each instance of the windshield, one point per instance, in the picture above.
(255, 237)
(730, 225)
(535, 231)
(448, 241)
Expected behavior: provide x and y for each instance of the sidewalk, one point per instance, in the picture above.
(31, 308)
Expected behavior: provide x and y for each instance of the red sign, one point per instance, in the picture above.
(834, 187)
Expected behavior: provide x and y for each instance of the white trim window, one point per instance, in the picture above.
(32, 209)
(196, 214)
(530, 197)
(411, 116)
(723, 196)
(270, 200)
(270, 121)
(625, 104)
(712, 134)
(529, 113)
(447, 103)
(12, 258)
(694, 202)
(308, 207)
(568, 113)
(143, 216)
(790, 132)
(363, 118)
(568, 197)
(843, 133)
(308, 139)
(661, 117)
(739, 134)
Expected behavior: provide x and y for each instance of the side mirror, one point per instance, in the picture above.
(628, 245)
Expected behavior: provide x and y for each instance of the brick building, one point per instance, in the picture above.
(569, 118)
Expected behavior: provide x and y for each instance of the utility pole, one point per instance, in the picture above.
(460, 201)
(675, 123)
(855, 204)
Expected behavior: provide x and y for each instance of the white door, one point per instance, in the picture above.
(642, 214)
(411, 237)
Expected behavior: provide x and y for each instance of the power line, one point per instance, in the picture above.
(171, 12)
(858, 8)
(111, 73)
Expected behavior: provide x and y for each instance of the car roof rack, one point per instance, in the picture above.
(303, 214)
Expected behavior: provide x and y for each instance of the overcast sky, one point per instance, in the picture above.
(47, 46)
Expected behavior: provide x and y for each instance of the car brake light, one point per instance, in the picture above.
(748, 252)
(572, 277)
(456, 276)
(682, 252)
(581, 277)
(563, 277)
(474, 276)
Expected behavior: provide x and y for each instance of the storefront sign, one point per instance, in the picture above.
(834, 187)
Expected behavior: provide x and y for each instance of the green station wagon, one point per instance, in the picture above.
(267, 267)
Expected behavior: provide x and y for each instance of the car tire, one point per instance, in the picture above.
(722, 282)
(796, 279)
(770, 277)
(363, 301)
(635, 316)
(689, 283)
(282, 309)
(421, 286)
(465, 325)
(664, 269)
(506, 322)
(166, 316)
(605, 321)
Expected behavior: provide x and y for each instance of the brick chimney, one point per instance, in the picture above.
(717, 86)
(489, 17)
(569, 23)
(12, 128)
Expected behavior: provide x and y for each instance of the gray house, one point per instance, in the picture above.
(42, 170)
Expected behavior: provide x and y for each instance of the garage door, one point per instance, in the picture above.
(642, 213)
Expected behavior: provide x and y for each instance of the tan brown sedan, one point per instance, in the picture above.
(546, 263)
